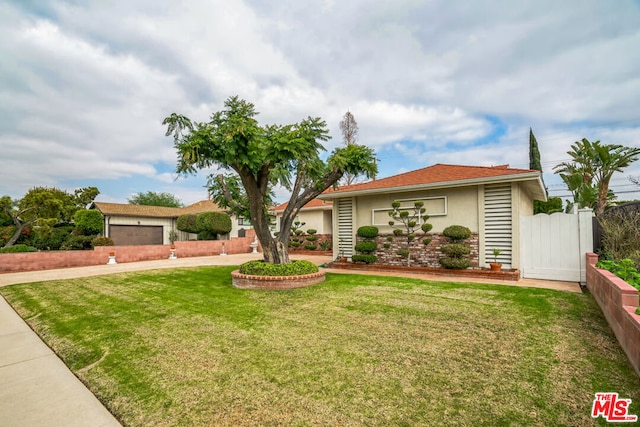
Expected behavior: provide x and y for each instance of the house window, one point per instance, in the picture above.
(435, 206)
(244, 221)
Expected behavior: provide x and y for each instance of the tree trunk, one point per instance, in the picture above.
(15, 236)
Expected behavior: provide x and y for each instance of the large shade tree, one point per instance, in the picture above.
(589, 173)
(259, 157)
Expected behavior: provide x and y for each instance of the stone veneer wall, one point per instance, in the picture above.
(421, 255)
(618, 301)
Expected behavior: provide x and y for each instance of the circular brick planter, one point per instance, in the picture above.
(246, 281)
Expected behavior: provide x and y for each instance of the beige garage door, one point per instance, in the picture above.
(136, 234)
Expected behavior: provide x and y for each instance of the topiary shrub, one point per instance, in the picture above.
(455, 250)
(213, 222)
(312, 231)
(18, 248)
(310, 247)
(311, 238)
(187, 223)
(365, 258)
(404, 253)
(294, 268)
(88, 222)
(455, 263)
(102, 241)
(294, 244)
(397, 232)
(457, 232)
(368, 232)
(366, 246)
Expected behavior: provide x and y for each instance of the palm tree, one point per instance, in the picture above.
(591, 170)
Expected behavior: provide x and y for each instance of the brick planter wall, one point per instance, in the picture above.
(618, 301)
(34, 261)
(246, 281)
(421, 255)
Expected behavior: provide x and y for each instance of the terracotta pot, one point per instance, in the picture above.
(495, 266)
(343, 259)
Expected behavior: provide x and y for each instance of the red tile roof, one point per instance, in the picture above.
(435, 174)
(314, 204)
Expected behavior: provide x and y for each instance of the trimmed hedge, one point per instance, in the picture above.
(294, 268)
(368, 231)
(366, 246)
(455, 263)
(187, 223)
(213, 222)
(18, 248)
(456, 250)
(457, 232)
(102, 241)
(366, 258)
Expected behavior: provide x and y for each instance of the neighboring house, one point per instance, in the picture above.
(129, 224)
(316, 215)
(488, 200)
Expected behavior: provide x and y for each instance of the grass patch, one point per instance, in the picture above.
(183, 347)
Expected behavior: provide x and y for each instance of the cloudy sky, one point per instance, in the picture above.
(85, 85)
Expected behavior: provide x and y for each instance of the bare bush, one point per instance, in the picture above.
(621, 234)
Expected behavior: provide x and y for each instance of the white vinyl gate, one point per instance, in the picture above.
(553, 247)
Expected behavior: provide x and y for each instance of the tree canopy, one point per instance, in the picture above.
(257, 157)
(152, 198)
(593, 164)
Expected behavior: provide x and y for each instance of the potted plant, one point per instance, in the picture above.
(495, 265)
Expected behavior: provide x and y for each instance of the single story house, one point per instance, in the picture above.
(487, 200)
(315, 215)
(129, 224)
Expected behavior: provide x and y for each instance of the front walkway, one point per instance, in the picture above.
(37, 387)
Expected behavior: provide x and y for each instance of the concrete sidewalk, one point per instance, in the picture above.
(39, 390)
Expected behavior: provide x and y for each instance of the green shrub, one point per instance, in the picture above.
(366, 246)
(312, 231)
(102, 241)
(455, 263)
(426, 227)
(311, 238)
(366, 258)
(298, 232)
(294, 268)
(325, 245)
(404, 253)
(294, 244)
(310, 247)
(397, 232)
(89, 222)
(426, 240)
(207, 235)
(456, 250)
(77, 243)
(389, 239)
(368, 231)
(457, 232)
(53, 238)
(624, 269)
(187, 223)
(213, 222)
(387, 245)
(17, 248)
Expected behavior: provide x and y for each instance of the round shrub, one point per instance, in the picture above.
(457, 232)
(455, 250)
(389, 239)
(311, 238)
(310, 247)
(294, 268)
(294, 244)
(387, 245)
(213, 222)
(404, 253)
(101, 241)
(366, 258)
(298, 232)
(397, 232)
(89, 222)
(366, 246)
(426, 240)
(18, 248)
(207, 235)
(426, 227)
(368, 231)
(312, 231)
(187, 223)
(455, 263)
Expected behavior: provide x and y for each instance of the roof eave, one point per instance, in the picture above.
(528, 176)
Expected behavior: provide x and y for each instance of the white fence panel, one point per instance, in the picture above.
(550, 247)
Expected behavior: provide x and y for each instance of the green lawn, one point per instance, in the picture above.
(183, 347)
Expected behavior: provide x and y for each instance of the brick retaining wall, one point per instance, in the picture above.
(273, 283)
(34, 261)
(618, 301)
